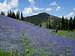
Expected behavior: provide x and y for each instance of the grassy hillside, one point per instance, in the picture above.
(66, 34)
(42, 19)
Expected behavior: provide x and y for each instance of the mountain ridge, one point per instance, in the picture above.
(42, 18)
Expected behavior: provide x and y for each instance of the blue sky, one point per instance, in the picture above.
(33, 7)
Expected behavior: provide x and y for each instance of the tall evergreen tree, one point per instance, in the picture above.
(2, 13)
(74, 23)
(62, 23)
(13, 15)
(71, 24)
(9, 13)
(48, 24)
(21, 16)
(18, 15)
(66, 24)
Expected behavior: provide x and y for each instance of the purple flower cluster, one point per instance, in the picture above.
(11, 31)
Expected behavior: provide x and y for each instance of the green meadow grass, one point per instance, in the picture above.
(3, 53)
(27, 50)
(66, 34)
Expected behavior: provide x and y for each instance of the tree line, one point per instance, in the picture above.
(68, 24)
(18, 15)
(63, 24)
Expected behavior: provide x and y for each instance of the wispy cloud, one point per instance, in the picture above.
(31, 1)
(55, 6)
(13, 3)
(6, 6)
(58, 8)
(48, 9)
(37, 8)
(70, 14)
(54, 3)
(33, 9)
(27, 10)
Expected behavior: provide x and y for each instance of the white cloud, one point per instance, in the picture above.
(27, 10)
(48, 9)
(60, 16)
(37, 9)
(32, 2)
(55, 6)
(6, 6)
(32, 9)
(70, 14)
(14, 3)
(53, 3)
(35, 13)
(58, 8)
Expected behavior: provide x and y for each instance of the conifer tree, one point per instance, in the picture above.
(2, 13)
(63, 23)
(48, 24)
(74, 23)
(13, 15)
(66, 24)
(71, 24)
(9, 13)
(18, 15)
(21, 16)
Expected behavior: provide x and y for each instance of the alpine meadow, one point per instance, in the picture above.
(37, 27)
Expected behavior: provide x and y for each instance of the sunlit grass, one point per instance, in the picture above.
(4, 53)
(36, 52)
(27, 49)
(66, 34)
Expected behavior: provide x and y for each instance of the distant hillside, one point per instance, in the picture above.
(42, 18)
